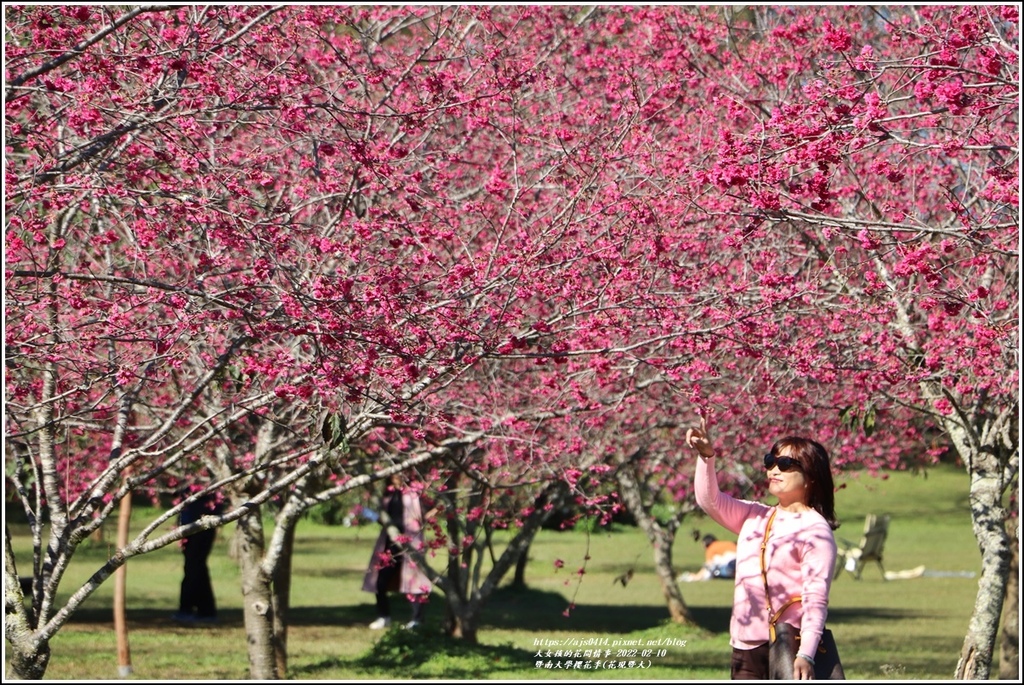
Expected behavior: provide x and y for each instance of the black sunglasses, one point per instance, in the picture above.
(784, 463)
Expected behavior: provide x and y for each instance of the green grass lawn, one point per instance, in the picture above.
(902, 629)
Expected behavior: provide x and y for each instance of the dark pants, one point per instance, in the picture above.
(750, 664)
(388, 580)
(196, 587)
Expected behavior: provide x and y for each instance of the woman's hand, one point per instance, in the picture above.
(700, 440)
(802, 669)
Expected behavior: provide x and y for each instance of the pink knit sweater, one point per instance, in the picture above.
(801, 557)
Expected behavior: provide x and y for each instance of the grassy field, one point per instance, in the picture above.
(901, 629)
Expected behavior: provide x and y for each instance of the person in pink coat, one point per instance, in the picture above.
(800, 553)
(390, 568)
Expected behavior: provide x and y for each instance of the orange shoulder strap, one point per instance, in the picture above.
(773, 618)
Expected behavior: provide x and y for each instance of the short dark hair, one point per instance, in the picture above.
(815, 463)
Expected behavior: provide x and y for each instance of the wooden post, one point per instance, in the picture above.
(124, 658)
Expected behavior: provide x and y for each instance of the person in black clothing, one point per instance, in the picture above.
(196, 602)
(388, 576)
(390, 568)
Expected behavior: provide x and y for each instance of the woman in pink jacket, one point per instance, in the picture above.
(800, 553)
(391, 569)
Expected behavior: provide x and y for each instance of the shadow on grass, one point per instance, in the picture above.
(103, 618)
(430, 654)
(848, 615)
(426, 654)
(713, 619)
(508, 609)
(538, 610)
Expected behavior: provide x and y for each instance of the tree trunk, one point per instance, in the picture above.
(28, 656)
(282, 586)
(677, 608)
(987, 441)
(257, 598)
(464, 593)
(519, 577)
(661, 539)
(1009, 648)
(988, 516)
(456, 590)
(460, 619)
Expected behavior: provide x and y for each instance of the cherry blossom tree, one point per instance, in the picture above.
(140, 358)
(194, 247)
(889, 167)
